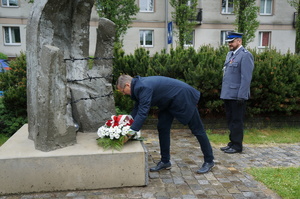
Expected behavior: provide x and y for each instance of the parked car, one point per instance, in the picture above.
(4, 66)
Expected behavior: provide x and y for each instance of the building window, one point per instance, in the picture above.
(12, 36)
(223, 38)
(189, 3)
(146, 5)
(264, 39)
(190, 39)
(227, 6)
(146, 38)
(265, 7)
(9, 3)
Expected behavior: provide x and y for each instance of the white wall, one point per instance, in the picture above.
(280, 24)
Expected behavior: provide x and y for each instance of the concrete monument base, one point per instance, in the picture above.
(83, 166)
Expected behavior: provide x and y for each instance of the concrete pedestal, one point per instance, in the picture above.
(83, 166)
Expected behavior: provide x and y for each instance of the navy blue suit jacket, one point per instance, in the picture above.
(179, 98)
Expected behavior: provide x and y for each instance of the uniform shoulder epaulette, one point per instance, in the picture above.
(245, 50)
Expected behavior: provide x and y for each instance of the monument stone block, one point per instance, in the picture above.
(82, 166)
(64, 93)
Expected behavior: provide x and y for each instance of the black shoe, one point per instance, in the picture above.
(231, 150)
(225, 148)
(161, 166)
(206, 167)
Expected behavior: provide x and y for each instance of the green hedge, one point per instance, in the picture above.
(275, 87)
(276, 83)
(3, 56)
(13, 107)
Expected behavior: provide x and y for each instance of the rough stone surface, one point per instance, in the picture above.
(95, 112)
(64, 24)
(56, 128)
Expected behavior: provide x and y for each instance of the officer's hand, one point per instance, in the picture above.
(240, 101)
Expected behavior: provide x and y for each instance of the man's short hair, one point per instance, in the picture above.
(122, 80)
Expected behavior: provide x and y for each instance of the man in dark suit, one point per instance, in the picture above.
(235, 91)
(175, 99)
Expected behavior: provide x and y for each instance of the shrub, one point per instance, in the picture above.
(13, 106)
(275, 87)
(9, 122)
(3, 56)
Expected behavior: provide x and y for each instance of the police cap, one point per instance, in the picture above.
(233, 35)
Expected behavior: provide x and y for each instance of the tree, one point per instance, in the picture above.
(13, 83)
(13, 106)
(119, 12)
(184, 17)
(296, 5)
(3, 56)
(245, 21)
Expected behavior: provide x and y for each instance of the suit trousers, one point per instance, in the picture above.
(165, 120)
(235, 120)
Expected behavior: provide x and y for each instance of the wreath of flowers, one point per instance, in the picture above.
(113, 133)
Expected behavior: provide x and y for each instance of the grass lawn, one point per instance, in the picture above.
(259, 136)
(284, 181)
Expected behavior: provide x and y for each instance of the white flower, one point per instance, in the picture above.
(101, 132)
(118, 131)
(125, 130)
(111, 136)
(117, 135)
(115, 132)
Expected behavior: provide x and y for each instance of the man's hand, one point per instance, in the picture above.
(131, 132)
(129, 135)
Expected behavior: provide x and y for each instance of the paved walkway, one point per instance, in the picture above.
(226, 181)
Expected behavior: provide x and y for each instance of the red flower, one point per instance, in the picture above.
(108, 123)
(116, 120)
(130, 122)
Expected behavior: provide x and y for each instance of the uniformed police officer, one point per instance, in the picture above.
(237, 75)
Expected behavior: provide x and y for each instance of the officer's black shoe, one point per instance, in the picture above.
(206, 167)
(161, 166)
(232, 150)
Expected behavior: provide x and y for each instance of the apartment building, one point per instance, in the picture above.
(153, 23)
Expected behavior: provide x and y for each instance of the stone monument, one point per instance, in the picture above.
(64, 93)
(67, 98)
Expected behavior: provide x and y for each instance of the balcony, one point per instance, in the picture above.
(198, 19)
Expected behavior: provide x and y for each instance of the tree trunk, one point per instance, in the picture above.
(242, 6)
